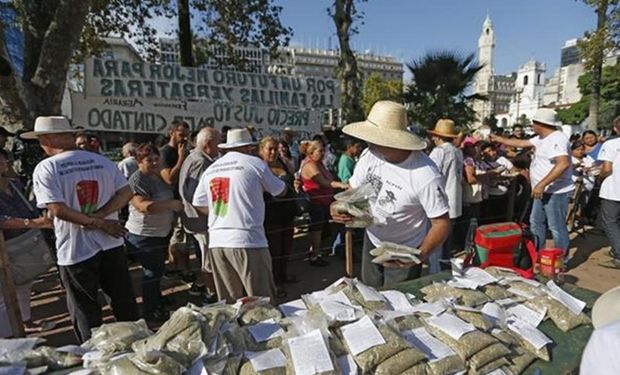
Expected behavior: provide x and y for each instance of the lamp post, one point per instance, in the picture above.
(518, 93)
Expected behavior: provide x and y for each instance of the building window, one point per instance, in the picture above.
(525, 79)
(538, 79)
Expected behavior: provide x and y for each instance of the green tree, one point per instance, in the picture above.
(438, 88)
(595, 46)
(609, 98)
(344, 13)
(377, 88)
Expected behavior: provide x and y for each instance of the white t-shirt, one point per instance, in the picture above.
(449, 161)
(601, 353)
(610, 188)
(232, 187)
(547, 149)
(408, 194)
(84, 181)
(587, 179)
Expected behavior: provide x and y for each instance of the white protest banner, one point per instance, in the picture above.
(139, 115)
(115, 78)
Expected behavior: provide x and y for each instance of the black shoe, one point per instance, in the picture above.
(209, 299)
(318, 262)
(197, 290)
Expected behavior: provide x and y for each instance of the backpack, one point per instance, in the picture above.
(507, 245)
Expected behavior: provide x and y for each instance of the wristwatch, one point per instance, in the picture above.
(26, 223)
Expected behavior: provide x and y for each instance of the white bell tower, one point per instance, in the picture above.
(484, 79)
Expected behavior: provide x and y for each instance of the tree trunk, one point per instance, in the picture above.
(185, 33)
(348, 73)
(52, 31)
(597, 71)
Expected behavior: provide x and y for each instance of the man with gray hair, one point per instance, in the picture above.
(194, 222)
(129, 164)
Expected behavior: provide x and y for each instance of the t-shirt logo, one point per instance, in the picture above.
(88, 195)
(220, 191)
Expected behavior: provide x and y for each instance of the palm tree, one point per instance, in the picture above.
(438, 88)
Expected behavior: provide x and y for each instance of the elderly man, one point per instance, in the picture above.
(288, 136)
(610, 195)
(550, 175)
(449, 161)
(411, 201)
(230, 192)
(195, 223)
(84, 191)
(129, 164)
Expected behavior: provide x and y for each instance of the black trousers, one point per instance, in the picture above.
(109, 271)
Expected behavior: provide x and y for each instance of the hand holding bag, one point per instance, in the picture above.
(29, 256)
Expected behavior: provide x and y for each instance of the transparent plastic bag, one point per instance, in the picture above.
(496, 292)
(357, 203)
(419, 369)
(520, 359)
(468, 345)
(145, 363)
(117, 337)
(488, 355)
(256, 309)
(467, 297)
(400, 362)
(563, 318)
(183, 337)
(43, 356)
(390, 251)
(477, 319)
(451, 364)
(489, 367)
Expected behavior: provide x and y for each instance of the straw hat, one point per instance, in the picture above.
(386, 126)
(445, 128)
(546, 116)
(237, 138)
(606, 309)
(49, 125)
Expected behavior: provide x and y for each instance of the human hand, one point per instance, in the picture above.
(112, 228)
(42, 223)
(339, 217)
(538, 191)
(181, 149)
(176, 205)
(398, 264)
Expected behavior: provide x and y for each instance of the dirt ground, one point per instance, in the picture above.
(48, 302)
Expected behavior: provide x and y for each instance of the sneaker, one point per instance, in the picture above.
(611, 263)
(197, 290)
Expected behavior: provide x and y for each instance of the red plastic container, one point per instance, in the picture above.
(550, 262)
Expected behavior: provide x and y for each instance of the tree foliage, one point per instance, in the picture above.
(609, 94)
(438, 88)
(377, 88)
(345, 14)
(595, 45)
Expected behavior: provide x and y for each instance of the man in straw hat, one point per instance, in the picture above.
(550, 175)
(230, 192)
(411, 200)
(600, 355)
(84, 192)
(449, 161)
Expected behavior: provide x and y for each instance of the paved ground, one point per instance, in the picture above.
(49, 303)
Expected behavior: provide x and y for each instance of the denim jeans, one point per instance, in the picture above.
(151, 253)
(610, 213)
(551, 211)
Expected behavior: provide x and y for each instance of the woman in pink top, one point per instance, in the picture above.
(319, 184)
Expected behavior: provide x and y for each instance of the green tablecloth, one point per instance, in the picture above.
(567, 346)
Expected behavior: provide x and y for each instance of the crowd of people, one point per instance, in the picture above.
(235, 200)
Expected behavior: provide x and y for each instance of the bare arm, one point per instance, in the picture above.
(470, 175)
(511, 142)
(146, 206)
(606, 170)
(18, 223)
(202, 209)
(66, 213)
(312, 172)
(440, 227)
(118, 201)
(171, 175)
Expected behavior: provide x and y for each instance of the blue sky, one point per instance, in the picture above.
(407, 29)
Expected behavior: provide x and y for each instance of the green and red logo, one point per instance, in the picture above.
(220, 191)
(88, 195)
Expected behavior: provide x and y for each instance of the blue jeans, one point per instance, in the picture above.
(151, 253)
(550, 211)
(610, 213)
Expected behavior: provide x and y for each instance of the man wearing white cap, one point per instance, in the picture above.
(550, 175)
(84, 192)
(411, 200)
(230, 192)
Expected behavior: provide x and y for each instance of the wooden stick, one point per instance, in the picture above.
(8, 291)
(348, 248)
